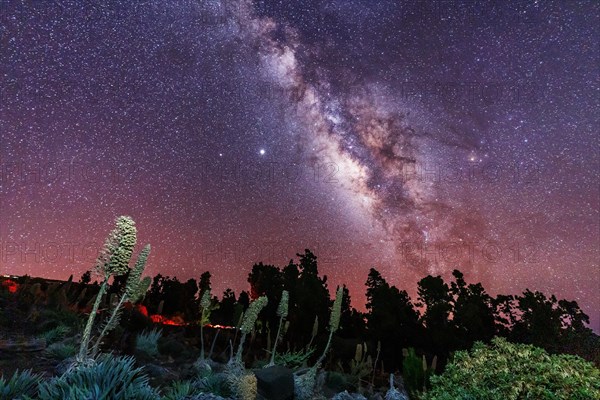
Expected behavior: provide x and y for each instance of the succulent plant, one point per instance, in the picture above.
(282, 308)
(113, 261)
(205, 310)
(282, 312)
(250, 317)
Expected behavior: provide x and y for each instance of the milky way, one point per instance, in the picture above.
(411, 136)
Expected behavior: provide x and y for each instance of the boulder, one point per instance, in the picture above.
(275, 383)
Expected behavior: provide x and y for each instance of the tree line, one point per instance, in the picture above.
(445, 316)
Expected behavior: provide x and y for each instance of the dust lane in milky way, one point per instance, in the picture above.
(411, 137)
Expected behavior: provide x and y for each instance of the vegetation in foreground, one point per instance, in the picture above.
(331, 348)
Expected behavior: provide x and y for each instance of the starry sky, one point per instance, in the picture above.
(414, 137)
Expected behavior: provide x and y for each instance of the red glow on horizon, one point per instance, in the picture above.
(10, 285)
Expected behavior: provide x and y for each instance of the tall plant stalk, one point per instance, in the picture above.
(282, 312)
(83, 348)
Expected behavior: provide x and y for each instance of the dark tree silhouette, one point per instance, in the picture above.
(447, 317)
(391, 318)
(225, 314)
(434, 295)
(352, 322)
(312, 298)
(204, 283)
(244, 300)
(86, 278)
(267, 280)
(191, 302)
(473, 312)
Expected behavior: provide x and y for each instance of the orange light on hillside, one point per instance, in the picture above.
(10, 285)
(220, 326)
(159, 319)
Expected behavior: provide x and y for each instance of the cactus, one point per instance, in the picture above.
(282, 312)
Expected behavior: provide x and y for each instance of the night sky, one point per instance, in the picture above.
(415, 137)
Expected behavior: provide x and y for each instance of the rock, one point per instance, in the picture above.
(156, 371)
(275, 383)
(304, 385)
(347, 396)
(202, 368)
(393, 394)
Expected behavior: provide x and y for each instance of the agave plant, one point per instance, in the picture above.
(21, 385)
(55, 334)
(179, 390)
(113, 378)
(61, 351)
(147, 342)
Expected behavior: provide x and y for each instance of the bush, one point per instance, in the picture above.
(61, 351)
(338, 381)
(508, 371)
(412, 371)
(147, 342)
(293, 359)
(20, 385)
(49, 319)
(179, 391)
(110, 377)
(172, 347)
(55, 334)
(216, 384)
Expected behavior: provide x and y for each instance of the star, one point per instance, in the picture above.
(214, 128)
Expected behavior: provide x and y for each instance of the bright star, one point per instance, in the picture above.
(262, 152)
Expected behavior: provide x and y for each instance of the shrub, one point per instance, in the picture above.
(171, 346)
(507, 371)
(61, 351)
(49, 319)
(294, 359)
(339, 381)
(412, 370)
(147, 342)
(179, 390)
(216, 384)
(55, 334)
(20, 385)
(110, 377)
